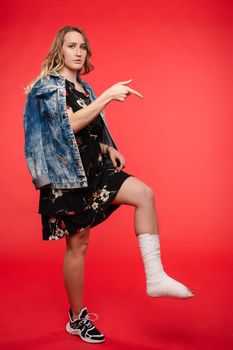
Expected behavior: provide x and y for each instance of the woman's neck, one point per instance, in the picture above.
(70, 75)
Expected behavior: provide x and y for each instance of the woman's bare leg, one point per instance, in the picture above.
(135, 192)
(73, 269)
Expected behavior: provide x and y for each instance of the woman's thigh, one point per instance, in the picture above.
(133, 192)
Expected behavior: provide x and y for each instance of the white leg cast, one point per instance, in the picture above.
(158, 283)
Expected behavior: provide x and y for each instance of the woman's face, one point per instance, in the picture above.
(74, 51)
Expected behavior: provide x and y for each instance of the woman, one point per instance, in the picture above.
(76, 165)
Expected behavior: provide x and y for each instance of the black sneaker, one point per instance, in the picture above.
(83, 327)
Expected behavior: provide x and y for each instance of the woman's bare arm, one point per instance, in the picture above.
(86, 115)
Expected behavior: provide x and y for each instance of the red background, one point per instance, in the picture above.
(178, 140)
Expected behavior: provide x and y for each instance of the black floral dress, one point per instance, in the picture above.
(69, 211)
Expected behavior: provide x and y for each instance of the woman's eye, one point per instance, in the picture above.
(83, 47)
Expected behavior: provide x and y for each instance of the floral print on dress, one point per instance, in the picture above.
(98, 198)
(57, 228)
(56, 194)
(95, 202)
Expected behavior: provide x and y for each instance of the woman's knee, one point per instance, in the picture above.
(78, 243)
(143, 192)
(135, 192)
(147, 194)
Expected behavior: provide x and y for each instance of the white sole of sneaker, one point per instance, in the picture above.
(77, 332)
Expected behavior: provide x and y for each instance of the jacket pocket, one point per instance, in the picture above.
(61, 158)
(64, 166)
(45, 92)
(48, 101)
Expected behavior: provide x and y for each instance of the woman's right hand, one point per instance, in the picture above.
(120, 91)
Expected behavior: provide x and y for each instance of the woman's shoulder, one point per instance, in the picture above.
(43, 84)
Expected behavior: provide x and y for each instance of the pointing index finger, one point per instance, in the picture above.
(132, 91)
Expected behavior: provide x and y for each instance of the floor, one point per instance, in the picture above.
(34, 304)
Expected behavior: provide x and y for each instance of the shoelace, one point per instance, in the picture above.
(91, 319)
(87, 320)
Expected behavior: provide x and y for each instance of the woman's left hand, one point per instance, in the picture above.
(117, 159)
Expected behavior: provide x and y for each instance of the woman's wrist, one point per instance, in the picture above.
(106, 97)
(106, 149)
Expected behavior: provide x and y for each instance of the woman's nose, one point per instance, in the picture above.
(78, 51)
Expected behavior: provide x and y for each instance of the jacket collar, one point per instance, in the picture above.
(57, 75)
(85, 85)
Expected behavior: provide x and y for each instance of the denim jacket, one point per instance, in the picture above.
(51, 151)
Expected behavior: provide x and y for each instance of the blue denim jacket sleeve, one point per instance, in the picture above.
(33, 146)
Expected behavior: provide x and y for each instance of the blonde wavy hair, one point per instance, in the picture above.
(54, 60)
